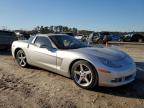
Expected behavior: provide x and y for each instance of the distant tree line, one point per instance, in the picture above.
(53, 29)
(58, 29)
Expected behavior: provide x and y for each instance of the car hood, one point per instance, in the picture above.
(107, 53)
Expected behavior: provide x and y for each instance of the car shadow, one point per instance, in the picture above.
(140, 64)
(132, 90)
(44, 70)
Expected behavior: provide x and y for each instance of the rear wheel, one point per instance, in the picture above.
(100, 41)
(21, 58)
(140, 40)
(84, 75)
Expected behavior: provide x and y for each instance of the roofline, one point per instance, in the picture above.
(50, 34)
(6, 31)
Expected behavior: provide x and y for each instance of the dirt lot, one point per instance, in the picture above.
(37, 88)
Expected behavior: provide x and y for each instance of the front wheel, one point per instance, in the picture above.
(84, 75)
(21, 58)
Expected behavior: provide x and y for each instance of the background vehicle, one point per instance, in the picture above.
(133, 37)
(116, 38)
(6, 39)
(79, 37)
(22, 35)
(102, 37)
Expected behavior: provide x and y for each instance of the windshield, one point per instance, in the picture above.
(31, 39)
(67, 42)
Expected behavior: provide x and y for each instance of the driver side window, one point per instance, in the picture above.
(42, 41)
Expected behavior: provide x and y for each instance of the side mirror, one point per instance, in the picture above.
(52, 49)
(48, 48)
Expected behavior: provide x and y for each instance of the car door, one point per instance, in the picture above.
(41, 54)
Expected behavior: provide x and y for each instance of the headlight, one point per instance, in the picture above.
(110, 63)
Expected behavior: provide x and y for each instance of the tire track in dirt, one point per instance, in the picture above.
(0, 69)
(12, 83)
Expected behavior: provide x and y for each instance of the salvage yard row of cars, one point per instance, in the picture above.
(7, 37)
(102, 37)
(87, 66)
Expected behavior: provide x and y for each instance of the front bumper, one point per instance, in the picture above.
(117, 77)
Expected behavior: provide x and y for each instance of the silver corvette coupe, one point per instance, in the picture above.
(87, 66)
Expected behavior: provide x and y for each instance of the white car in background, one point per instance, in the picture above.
(79, 37)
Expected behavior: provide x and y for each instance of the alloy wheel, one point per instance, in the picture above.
(21, 58)
(83, 75)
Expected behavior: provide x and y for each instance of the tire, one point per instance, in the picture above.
(21, 58)
(84, 75)
(100, 41)
(140, 40)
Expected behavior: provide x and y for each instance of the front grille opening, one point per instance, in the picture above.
(116, 80)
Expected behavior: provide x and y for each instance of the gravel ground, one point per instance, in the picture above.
(36, 88)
